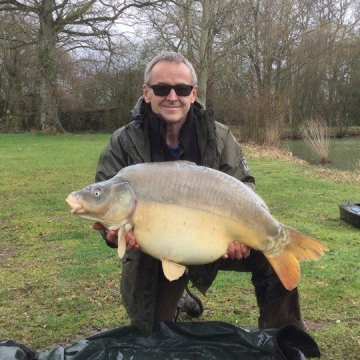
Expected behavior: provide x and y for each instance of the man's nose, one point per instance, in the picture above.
(172, 95)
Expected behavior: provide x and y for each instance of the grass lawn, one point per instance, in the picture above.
(60, 282)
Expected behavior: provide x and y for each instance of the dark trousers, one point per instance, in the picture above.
(168, 296)
(277, 305)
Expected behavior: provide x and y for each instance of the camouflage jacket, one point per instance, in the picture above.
(131, 145)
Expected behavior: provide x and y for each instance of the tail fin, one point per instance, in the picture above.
(300, 248)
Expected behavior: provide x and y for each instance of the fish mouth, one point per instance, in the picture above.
(74, 204)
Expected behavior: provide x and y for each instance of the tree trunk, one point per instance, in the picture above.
(49, 115)
(203, 56)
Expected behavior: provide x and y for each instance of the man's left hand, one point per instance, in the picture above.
(237, 251)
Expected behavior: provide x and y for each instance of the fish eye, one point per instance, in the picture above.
(97, 192)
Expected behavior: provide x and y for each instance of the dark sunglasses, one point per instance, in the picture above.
(164, 89)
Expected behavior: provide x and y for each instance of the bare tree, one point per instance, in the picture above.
(73, 25)
(259, 62)
(323, 64)
(17, 76)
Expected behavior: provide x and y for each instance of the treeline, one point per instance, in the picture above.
(263, 64)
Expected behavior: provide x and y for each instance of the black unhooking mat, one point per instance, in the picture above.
(187, 340)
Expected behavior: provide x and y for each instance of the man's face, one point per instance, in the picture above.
(172, 108)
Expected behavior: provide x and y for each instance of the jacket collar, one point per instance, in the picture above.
(204, 124)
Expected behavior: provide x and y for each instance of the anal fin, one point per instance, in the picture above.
(172, 271)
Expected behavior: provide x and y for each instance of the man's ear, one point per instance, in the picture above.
(146, 93)
(194, 93)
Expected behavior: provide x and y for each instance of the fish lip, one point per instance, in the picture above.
(75, 206)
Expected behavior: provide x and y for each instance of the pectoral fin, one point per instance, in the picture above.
(172, 270)
(121, 242)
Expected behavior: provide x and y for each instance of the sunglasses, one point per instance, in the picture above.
(164, 89)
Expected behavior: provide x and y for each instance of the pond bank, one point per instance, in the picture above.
(315, 171)
(343, 153)
(353, 131)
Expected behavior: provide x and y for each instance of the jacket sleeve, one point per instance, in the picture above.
(112, 159)
(232, 159)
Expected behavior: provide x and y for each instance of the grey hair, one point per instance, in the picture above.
(170, 57)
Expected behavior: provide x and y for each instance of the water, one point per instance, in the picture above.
(344, 153)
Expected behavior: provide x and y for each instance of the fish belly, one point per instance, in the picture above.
(186, 236)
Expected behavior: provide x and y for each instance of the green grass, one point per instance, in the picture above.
(60, 282)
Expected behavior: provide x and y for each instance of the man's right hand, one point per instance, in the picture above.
(112, 236)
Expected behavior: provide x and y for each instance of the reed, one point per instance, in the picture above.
(316, 134)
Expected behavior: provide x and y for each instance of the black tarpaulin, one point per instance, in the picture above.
(180, 341)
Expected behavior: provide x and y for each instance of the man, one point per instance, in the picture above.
(170, 124)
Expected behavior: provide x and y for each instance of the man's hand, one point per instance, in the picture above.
(237, 251)
(112, 236)
(131, 243)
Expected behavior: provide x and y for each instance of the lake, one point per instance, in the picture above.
(344, 153)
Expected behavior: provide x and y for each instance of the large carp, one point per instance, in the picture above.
(184, 214)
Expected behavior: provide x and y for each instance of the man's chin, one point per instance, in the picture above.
(173, 118)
